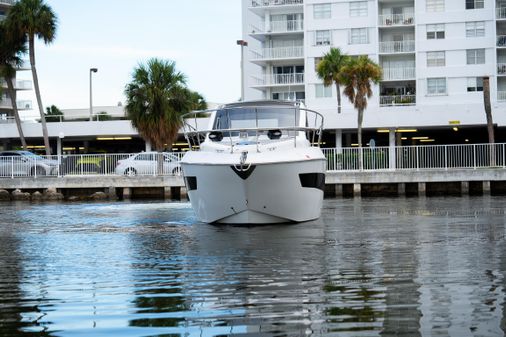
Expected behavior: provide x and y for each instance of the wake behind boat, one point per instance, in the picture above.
(258, 162)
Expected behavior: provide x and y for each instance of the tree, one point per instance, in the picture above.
(157, 97)
(490, 122)
(12, 47)
(329, 70)
(34, 18)
(53, 113)
(358, 76)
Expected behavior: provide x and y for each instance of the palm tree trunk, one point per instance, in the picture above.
(12, 93)
(359, 131)
(37, 93)
(490, 122)
(338, 89)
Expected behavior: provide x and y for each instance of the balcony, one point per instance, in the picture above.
(500, 13)
(392, 20)
(278, 27)
(501, 68)
(501, 41)
(18, 85)
(278, 79)
(6, 103)
(7, 2)
(395, 74)
(501, 95)
(278, 53)
(398, 100)
(269, 3)
(396, 47)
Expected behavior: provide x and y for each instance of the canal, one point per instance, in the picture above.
(368, 267)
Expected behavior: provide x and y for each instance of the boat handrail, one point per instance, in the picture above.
(196, 137)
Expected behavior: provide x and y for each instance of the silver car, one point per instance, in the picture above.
(25, 163)
(149, 163)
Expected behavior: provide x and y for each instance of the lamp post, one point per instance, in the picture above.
(243, 44)
(92, 70)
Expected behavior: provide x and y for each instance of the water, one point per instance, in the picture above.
(370, 267)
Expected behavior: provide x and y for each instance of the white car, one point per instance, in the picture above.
(25, 163)
(149, 163)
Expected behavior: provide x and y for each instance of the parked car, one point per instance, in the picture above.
(146, 163)
(25, 163)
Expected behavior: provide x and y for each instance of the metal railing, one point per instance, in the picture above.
(107, 164)
(284, 26)
(501, 41)
(267, 3)
(501, 95)
(500, 13)
(397, 100)
(399, 73)
(396, 19)
(420, 157)
(501, 68)
(279, 79)
(18, 84)
(397, 46)
(279, 53)
(6, 103)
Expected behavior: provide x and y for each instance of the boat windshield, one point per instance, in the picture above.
(257, 117)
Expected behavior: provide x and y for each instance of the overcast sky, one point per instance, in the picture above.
(115, 35)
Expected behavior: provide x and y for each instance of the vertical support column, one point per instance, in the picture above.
(338, 188)
(357, 190)
(148, 147)
(401, 189)
(111, 192)
(464, 188)
(339, 140)
(486, 188)
(391, 149)
(167, 192)
(58, 146)
(422, 190)
(183, 194)
(127, 193)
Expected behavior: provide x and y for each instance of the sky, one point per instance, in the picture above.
(116, 35)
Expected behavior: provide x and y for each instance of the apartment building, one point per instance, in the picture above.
(434, 54)
(19, 85)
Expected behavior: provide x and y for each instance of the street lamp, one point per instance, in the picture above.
(92, 70)
(243, 44)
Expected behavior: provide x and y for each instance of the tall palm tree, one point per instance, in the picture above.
(11, 48)
(358, 76)
(157, 97)
(329, 70)
(34, 18)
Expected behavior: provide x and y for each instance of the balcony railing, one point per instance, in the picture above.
(501, 95)
(500, 13)
(279, 79)
(6, 103)
(278, 53)
(7, 2)
(392, 47)
(396, 19)
(501, 68)
(397, 100)
(390, 74)
(282, 26)
(18, 85)
(268, 3)
(501, 40)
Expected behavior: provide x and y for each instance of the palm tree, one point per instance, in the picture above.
(11, 49)
(329, 70)
(490, 122)
(34, 18)
(358, 76)
(157, 97)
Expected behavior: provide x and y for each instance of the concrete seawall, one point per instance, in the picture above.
(347, 184)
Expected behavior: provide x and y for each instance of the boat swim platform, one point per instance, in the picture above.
(481, 181)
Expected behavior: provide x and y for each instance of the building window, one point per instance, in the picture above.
(289, 96)
(475, 4)
(436, 59)
(322, 38)
(316, 61)
(359, 36)
(436, 86)
(435, 5)
(475, 29)
(322, 91)
(474, 84)
(436, 32)
(358, 8)
(475, 56)
(322, 11)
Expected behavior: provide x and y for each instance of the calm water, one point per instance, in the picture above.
(370, 267)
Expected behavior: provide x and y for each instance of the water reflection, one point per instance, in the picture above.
(379, 267)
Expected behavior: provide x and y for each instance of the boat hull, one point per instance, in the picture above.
(256, 194)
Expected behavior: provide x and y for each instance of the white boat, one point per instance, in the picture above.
(255, 162)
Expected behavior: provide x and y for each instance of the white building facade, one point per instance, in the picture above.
(434, 54)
